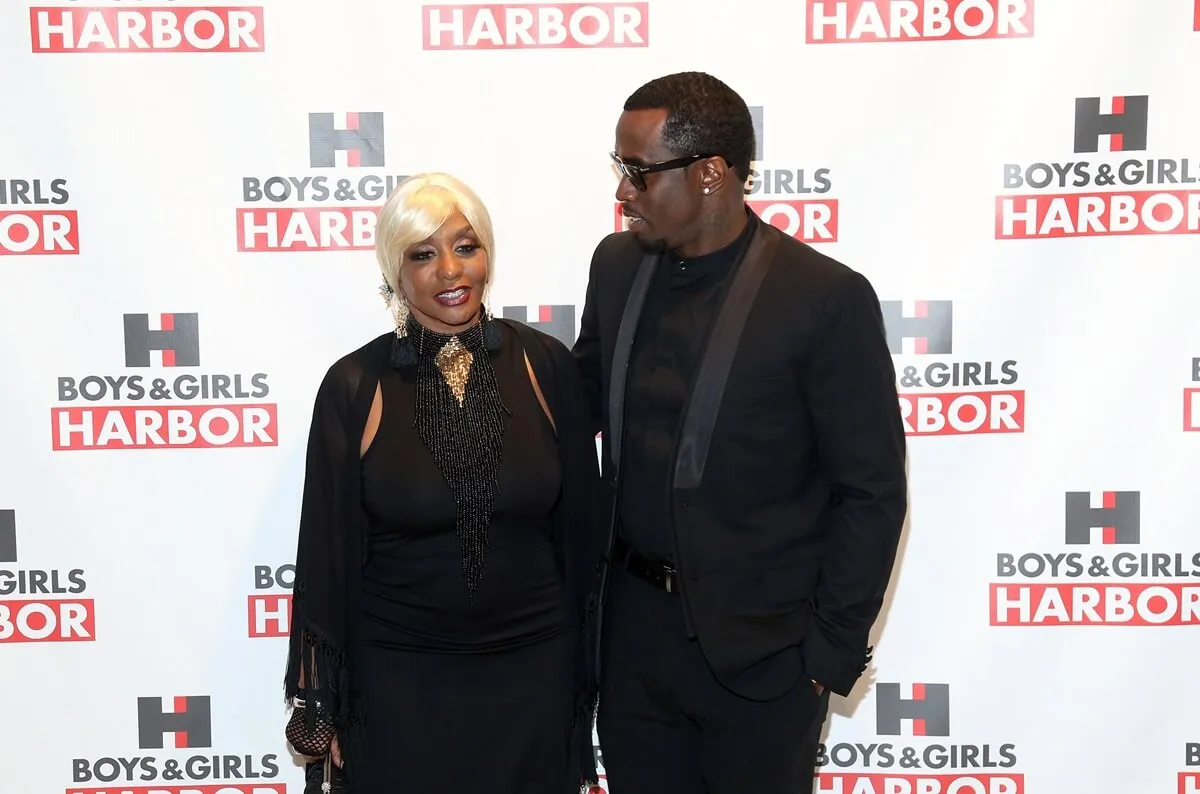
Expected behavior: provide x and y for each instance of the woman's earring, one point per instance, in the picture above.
(403, 354)
(398, 306)
(491, 331)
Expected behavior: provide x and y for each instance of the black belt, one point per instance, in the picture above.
(662, 576)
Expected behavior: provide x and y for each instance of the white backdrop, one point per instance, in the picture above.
(141, 161)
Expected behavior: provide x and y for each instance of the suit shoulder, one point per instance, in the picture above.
(819, 269)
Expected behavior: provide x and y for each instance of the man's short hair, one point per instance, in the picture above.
(704, 116)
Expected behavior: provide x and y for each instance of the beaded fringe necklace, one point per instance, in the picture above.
(460, 417)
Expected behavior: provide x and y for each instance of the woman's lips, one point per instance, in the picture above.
(453, 297)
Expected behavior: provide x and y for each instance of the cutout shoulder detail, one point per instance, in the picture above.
(373, 418)
(538, 391)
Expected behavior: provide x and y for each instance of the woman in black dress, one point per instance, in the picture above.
(446, 568)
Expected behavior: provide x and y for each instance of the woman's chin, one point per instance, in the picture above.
(453, 319)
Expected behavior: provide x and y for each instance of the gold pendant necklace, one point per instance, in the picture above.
(454, 362)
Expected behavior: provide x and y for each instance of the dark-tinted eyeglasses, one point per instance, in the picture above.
(636, 174)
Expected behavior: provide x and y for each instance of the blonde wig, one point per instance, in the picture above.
(416, 209)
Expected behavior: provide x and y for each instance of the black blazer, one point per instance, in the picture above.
(788, 514)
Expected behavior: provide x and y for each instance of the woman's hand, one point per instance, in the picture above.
(337, 753)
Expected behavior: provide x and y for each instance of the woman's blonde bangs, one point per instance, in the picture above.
(417, 208)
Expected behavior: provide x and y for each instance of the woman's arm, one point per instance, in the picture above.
(316, 660)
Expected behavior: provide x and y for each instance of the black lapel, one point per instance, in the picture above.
(701, 416)
(620, 362)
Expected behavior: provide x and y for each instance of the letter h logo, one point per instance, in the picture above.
(361, 139)
(8, 535)
(921, 327)
(557, 321)
(1125, 125)
(178, 338)
(1117, 515)
(756, 115)
(928, 709)
(190, 722)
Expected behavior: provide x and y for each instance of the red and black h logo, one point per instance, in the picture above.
(177, 337)
(1117, 514)
(361, 139)
(928, 710)
(929, 325)
(1125, 126)
(190, 721)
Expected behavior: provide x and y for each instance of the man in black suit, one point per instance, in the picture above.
(756, 459)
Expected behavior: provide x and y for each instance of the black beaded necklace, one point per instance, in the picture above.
(461, 417)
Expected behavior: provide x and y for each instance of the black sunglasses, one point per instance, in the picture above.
(636, 174)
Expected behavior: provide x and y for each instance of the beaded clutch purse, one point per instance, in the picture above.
(310, 740)
(314, 742)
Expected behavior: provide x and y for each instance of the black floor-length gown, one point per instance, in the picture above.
(464, 693)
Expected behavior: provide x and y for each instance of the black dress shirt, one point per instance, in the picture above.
(680, 307)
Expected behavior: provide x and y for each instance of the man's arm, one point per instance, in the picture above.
(851, 390)
(587, 350)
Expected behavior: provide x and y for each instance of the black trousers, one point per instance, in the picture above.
(667, 726)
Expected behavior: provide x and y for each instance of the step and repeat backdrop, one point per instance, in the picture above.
(187, 199)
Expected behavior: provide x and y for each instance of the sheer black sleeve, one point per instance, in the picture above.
(328, 550)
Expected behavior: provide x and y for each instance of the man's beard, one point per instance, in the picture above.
(655, 246)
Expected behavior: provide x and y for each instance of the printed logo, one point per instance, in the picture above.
(1125, 126)
(1191, 401)
(1108, 196)
(141, 411)
(1117, 518)
(557, 321)
(189, 722)
(926, 713)
(360, 142)
(269, 614)
(865, 21)
(321, 211)
(177, 723)
(515, 26)
(947, 396)
(922, 711)
(772, 190)
(78, 29)
(1124, 586)
(27, 230)
(38, 604)
(928, 330)
(177, 340)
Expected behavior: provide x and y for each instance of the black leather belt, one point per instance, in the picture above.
(662, 576)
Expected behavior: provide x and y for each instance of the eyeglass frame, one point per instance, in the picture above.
(636, 174)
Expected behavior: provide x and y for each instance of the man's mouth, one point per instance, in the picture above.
(631, 217)
(452, 297)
